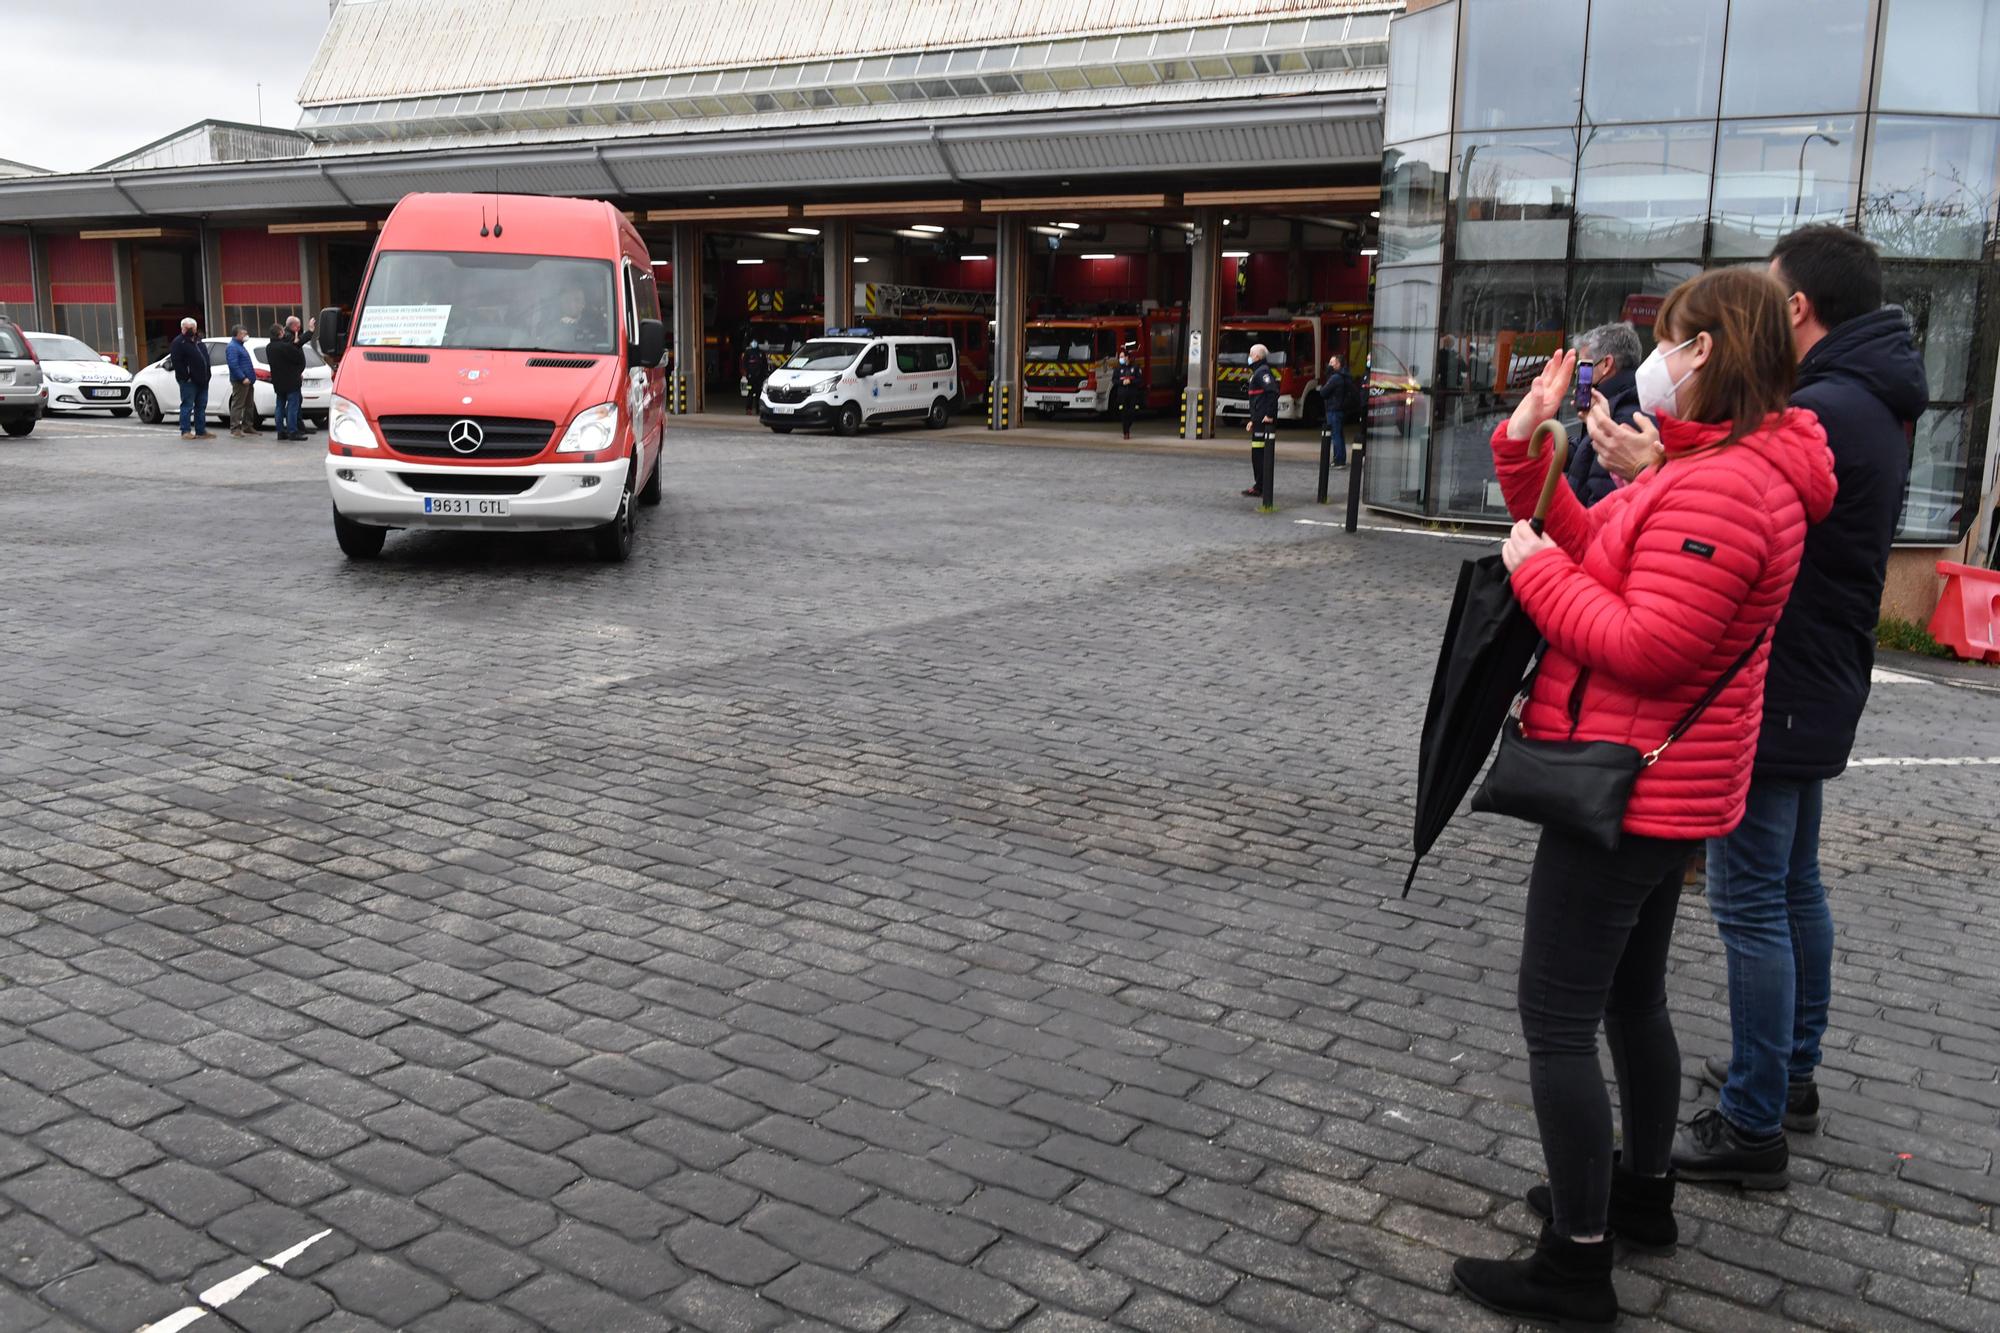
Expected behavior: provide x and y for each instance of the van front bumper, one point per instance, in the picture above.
(807, 414)
(390, 493)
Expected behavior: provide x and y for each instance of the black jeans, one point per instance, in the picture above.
(1595, 948)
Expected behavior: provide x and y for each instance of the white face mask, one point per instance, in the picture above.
(1658, 389)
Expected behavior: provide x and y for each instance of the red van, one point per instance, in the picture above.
(503, 371)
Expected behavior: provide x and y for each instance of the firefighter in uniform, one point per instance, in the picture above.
(1263, 424)
(756, 369)
(1128, 390)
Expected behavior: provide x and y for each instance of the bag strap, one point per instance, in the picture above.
(1701, 705)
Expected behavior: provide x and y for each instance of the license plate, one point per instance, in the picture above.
(781, 408)
(104, 393)
(465, 506)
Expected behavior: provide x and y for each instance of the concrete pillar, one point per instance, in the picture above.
(38, 280)
(1010, 307)
(1153, 266)
(130, 331)
(309, 284)
(211, 282)
(1204, 279)
(836, 252)
(688, 334)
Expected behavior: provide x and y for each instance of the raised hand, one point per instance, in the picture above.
(1545, 397)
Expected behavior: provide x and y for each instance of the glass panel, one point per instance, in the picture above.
(1501, 323)
(1462, 440)
(1413, 202)
(1780, 64)
(1420, 65)
(1934, 504)
(1628, 293)
(962, 61)
(1942, 304)
(1405, 343)
(1513, 194)
(1650, 61)
(1642, 192)
(1941, 55)
(1399, 411)
(932, 62)
(1368, 27)
(1037, 82)
(1523, 64)
(1774, 175)
(999, 57)
(1069, 80)
(1137, 75)
(1171, 43)
(1290, 62)
(1929, 192)
(1002, 83)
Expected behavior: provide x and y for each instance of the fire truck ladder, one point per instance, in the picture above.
(887, 298)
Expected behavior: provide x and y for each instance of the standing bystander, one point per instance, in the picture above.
(242, 384)
(188, 356)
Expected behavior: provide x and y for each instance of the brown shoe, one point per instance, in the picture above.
(204, 435)
(187, 435)
(235, 434)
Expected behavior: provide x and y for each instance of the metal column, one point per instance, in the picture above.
(1204, 275)
(38, 282)
(836, 251)
(212, 313)
(130, 349)
(689, 346)
(309, 292)
(1010, 304)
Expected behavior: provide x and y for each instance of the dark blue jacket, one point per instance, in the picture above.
(1588, 476)
(188, 356)
(1866, 382)
(1263, 400)
(242, 366)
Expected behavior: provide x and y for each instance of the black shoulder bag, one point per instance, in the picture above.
(1580, 787)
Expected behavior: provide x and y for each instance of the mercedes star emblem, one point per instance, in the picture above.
(465, 436)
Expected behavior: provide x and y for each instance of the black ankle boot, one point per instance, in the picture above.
(1642, 1211)
(1563, 1282)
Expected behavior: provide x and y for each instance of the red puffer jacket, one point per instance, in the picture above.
(1656, 590)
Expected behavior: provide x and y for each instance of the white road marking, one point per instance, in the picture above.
(229, 1289)
(1956, 761)
(1407, 532)
(1884, 676)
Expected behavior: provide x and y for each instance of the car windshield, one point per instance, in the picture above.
(824, 354)
(491, 302)
(56, 347)
(1047, 344)
(1234, 346)
(11, 343)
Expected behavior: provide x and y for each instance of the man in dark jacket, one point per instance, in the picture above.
(1336, 393)
(1263, 424)
(187, 357)
(756, 369)
(1613, 353)
(1860, 371)
(1128, 390)
(288, 375)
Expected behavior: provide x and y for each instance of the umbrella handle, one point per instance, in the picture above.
(1558, 462)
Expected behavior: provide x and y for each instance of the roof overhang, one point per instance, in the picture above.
(1187, 141)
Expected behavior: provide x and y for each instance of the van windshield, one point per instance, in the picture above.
(824, 354)
(493, 302)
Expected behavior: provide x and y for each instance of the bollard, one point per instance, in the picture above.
(1356, 454)
(1325, 457)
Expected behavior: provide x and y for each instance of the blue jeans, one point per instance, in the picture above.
(1770, 907)
(1336, 425)
(288, 412)
(194, 407)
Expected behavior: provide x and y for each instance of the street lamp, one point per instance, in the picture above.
(1799, 196)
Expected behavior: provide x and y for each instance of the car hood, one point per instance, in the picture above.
(99, 371)
(483, 384)
(787, 375)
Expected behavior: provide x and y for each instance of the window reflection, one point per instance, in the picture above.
(1413, 202)
(1420, 72)
(1935, 500)
(1523, 64)
(1462, 439)
(1774, 175)
(1650, 61)
(1502, 322)
(1941, 55)
(1610, 293)
(1780, 64)
(1929, 192)
(1642, 192)
(1406, 320)
(1942, 303)
(1514, 194)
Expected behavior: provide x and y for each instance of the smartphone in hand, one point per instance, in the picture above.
(1583, 388)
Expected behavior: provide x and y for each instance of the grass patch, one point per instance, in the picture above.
(1907, 636)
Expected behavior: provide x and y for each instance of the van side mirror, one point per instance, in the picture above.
(652, 346)
(331, 331)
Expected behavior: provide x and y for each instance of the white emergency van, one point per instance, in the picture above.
(850, 378)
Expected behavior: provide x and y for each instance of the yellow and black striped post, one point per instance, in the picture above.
(1201, 414)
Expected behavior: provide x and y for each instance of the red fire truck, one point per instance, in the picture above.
(1070, 361)
(1299, 345)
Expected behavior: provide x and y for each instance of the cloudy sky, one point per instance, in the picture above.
(92, 79)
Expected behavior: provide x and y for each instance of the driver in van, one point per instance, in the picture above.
(573, 326)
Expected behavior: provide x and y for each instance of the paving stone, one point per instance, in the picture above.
(378, 1221)
(837, 1298)
(467, 1264)
(568, 1306)
(951, 1289)
(635, 1271)
(72, 1200)
(714, 1308)
(382, 1288)
(34, 1254)
(726, 1254)
(485, 1207)
(164, 1250)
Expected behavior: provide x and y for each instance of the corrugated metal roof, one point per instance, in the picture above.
(401, 48)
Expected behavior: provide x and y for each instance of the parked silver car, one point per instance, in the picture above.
(20, 382)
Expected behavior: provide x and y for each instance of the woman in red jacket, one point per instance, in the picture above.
(1645, 600)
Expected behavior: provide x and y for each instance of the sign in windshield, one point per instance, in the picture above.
(489, 302)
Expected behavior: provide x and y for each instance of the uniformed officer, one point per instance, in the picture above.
(1128, 390)
(756, 369)
(1263, 424)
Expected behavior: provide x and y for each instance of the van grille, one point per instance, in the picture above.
(502, 437)
(418, 357)
(786, 393)
(468, 482)
(562, 362)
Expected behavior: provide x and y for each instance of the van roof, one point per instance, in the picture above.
(530, 224)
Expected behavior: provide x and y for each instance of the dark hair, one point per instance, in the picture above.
(1750, 369)
(1834, 269)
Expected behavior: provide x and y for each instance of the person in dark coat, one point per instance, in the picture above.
(187, 357)
(1614, 354)
(1336, 392)
(756, 369)
(1861, 373)
(288, 373)
(1263, 423)
(1128, 390)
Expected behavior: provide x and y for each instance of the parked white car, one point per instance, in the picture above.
(157, 395)
(76, 378)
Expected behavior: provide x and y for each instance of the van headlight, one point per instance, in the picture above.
(346, 424)
(593, 430)
(825, 386)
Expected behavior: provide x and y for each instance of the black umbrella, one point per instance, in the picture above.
(1488, 643)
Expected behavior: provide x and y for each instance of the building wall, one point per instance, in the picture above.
(17, 281)
(83, 290)
(261, 279)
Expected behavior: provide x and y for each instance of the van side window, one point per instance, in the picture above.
(631, 306)
(649, 294)
(910, 358)
(940, 357)
(874, 361)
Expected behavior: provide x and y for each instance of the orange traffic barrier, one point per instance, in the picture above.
(1967, 619)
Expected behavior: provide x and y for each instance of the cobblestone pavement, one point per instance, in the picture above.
(932, 886)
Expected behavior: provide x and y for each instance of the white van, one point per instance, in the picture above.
(850, 379)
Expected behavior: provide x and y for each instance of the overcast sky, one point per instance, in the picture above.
(88, 80)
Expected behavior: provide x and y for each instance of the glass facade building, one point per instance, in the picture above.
(1553, 165)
